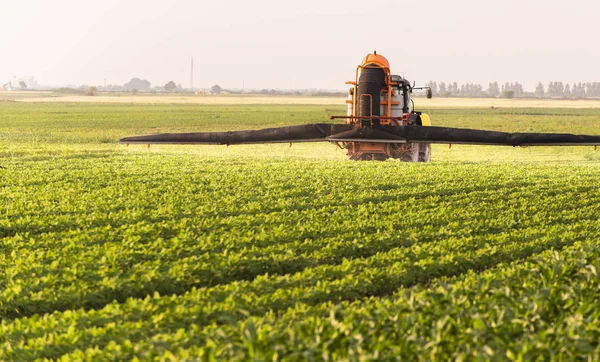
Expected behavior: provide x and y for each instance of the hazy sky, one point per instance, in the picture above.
(301, 44)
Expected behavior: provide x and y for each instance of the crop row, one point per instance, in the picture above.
(541, 308)
(215, 253)
(352, 279)
(129, 236)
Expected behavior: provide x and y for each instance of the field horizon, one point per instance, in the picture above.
(231, 99)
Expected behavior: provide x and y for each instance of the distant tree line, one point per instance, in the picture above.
(576, 90)
(135, 85)
(510, 90)
(441, 89)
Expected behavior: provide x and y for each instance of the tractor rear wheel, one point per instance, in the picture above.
(424, 152)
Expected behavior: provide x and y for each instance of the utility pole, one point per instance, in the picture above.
(192, 75)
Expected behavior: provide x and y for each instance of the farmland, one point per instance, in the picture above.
(247, 99)
(274, 252)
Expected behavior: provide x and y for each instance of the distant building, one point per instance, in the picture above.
(30, 82)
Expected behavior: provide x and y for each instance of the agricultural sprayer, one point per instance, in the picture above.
(380, 123)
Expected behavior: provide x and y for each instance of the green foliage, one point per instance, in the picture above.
(81, 123)
(278, 253)
(137, 84)
(67, 91)
(92, 91)
(508, 94)
(170, 86)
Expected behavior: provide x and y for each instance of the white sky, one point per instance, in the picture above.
(301, 44)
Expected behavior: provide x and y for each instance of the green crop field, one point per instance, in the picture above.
(272, 252)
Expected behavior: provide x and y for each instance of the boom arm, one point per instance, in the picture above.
(324, 132)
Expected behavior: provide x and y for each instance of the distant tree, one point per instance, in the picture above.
(592, 89)
(471, 90)
(92, 91)
(216, 89)
(23, 85)
(578, 90)
(493, 89)
(518, 89)
(551, 89)
(567, 92)
(443, 88)
(170, 86)
(539, 90)
(556, 89)
(137, 83)
(595, 89)
(560, 89)
(508, 94)
(454, 88)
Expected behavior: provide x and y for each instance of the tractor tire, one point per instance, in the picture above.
(412, 153)
(424, 152)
